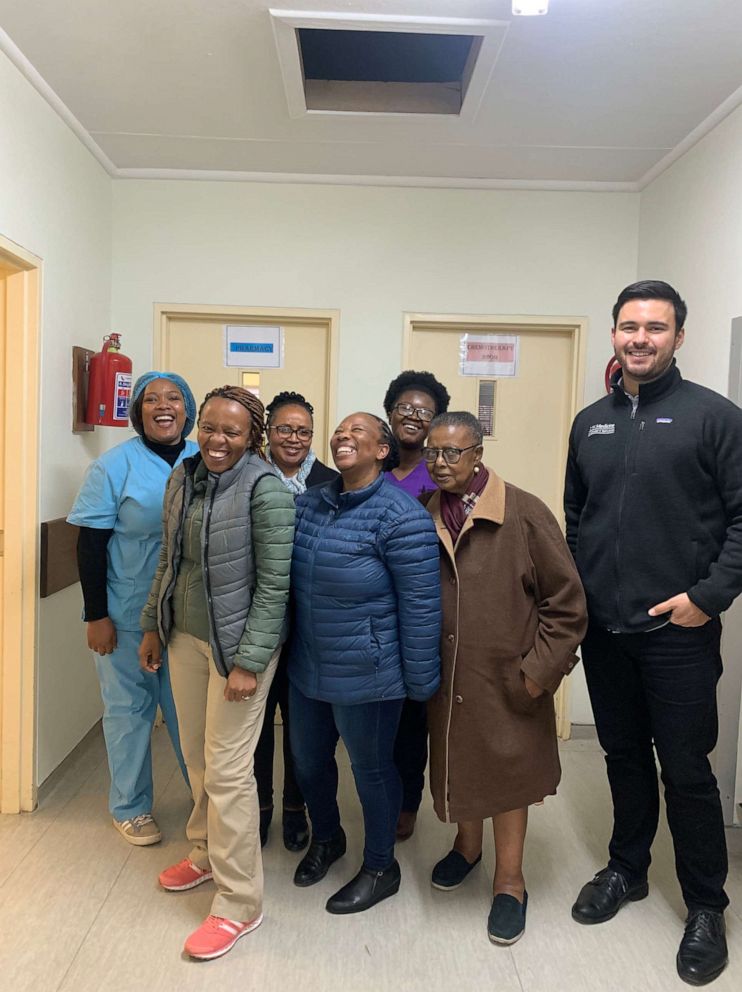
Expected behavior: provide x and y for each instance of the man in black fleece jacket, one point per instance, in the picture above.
(653, 501)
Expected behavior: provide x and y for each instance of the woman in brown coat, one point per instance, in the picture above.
(513, 614)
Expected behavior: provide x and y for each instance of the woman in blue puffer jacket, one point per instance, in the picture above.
(366, 607)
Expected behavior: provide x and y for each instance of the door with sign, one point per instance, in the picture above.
(266, 350)
(522, 377)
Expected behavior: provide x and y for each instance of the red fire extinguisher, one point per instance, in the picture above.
(109, 385)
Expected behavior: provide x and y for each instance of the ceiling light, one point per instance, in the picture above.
(528, 8)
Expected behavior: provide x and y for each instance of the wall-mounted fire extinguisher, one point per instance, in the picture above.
(109, 385)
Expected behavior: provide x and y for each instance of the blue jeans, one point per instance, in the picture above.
(368, 731)
(130, 700)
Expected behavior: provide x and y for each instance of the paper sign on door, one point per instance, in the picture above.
(252, 347)
(489, 355)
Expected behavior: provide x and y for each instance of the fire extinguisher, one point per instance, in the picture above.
(109, 385)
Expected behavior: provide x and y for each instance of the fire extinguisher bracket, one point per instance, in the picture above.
(80, 373)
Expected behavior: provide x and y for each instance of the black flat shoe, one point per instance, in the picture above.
(602, 897)
(451, 871)
(365, 890)
(507, 920)
(316, 862)
(703, 950)
(295, 829)
(266, 815)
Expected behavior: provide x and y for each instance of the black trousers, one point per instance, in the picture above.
(277, 696)
(658, 689)
(411, 753)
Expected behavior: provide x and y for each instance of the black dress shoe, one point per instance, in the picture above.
(703, 950)
(316, 862)
(365, 890)
(295, 829)
(602, 898)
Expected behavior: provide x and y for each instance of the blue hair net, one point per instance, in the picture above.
(135, 410)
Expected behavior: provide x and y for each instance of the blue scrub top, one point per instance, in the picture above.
(123, 490)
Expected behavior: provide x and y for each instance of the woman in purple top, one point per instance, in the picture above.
(411, 402)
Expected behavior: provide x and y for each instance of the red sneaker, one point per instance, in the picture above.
(184, 875)
(216, 936)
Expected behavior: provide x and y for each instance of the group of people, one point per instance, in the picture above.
(411, 595)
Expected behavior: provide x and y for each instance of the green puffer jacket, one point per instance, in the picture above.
(246, 544)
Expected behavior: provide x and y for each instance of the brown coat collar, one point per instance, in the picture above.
(490, 506)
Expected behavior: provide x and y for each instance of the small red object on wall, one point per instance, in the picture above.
(109, 387)
(610, 368)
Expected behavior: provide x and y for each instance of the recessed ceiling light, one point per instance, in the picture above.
(529, 8)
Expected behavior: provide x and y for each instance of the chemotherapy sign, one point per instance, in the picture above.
(252, 347)
(489, 354)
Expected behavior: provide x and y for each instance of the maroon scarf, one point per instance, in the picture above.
(455, 509)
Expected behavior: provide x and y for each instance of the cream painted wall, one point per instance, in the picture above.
(55, 201)
(691, 235)
(373, 253)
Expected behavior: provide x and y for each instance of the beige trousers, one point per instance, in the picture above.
(218, 739)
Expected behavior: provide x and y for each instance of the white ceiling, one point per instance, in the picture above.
(603, 92)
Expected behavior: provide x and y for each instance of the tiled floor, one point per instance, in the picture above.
(80, 910)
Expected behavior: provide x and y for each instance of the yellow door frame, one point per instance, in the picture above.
(577, 328)
(20, 272)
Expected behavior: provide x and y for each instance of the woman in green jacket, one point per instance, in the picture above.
(218, 601)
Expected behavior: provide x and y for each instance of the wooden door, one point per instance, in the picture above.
(19, 374)
(531, 412)
(192, 344)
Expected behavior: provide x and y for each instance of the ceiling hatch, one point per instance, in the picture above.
(390, 72)
(385, 65)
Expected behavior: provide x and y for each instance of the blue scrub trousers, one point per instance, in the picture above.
(130, 700)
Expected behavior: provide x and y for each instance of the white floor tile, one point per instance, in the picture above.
(81, 911)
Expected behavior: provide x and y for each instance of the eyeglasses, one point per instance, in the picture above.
(450, 455)
(408, 410)
(286, 430)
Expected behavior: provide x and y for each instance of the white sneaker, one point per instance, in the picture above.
(140, 830)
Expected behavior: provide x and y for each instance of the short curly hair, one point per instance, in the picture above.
(287, 398)
(459, 418)
(426, 382)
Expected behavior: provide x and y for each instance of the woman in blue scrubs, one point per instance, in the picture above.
(119, 512)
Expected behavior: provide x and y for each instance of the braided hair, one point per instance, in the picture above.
(251, 403)
(287, 398)
(392, 459)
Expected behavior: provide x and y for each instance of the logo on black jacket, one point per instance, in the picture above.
(601, 429)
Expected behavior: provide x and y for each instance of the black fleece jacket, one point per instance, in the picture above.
(653, 501)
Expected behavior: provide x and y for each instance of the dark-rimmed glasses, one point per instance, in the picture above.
(408, 410)
(450, 455)
(286, 430)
